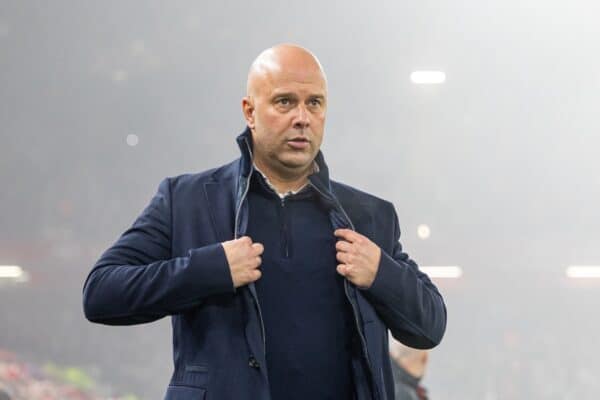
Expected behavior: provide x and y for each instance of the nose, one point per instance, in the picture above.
(301, 120)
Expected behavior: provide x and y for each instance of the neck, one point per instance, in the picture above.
(285, 181)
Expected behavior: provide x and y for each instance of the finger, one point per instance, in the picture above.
(342, 245)
(245, 239)
(257, 262)
(342, 257)
(258, 248)
(255, 275)
(343, 269)
(348, 235)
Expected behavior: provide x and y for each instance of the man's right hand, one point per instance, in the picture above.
(243, 258)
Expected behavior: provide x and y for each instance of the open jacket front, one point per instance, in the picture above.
(171, 262)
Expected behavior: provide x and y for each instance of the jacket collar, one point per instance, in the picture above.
(244, 141)
(320, 179)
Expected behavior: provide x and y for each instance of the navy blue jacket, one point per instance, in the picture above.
(171, 262)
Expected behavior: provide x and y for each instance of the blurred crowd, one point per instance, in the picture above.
(25, 381)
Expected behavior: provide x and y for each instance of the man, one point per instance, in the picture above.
(408, 368)
(281, 284)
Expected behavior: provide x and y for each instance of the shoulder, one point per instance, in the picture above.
(217, 174)
(192, 184)
(372, 216)
(350, 195)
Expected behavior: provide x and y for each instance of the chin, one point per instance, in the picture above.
(296, 163)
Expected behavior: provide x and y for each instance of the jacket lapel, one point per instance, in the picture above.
(220, 199)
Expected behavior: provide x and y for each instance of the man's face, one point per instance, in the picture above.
(287, 117)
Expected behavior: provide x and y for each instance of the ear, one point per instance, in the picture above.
(248, 111)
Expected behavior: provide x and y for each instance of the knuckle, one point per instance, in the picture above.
(259, 248)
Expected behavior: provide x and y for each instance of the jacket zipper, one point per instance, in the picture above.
(286, 250)
(354, 310)
(235, 234)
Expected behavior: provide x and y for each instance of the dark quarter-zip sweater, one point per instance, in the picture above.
(308, 322)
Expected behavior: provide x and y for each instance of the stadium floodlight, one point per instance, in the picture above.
(445, 271)
(428, 77)
(132, 139)
(423, 231)
(583, 271)
(11, 271)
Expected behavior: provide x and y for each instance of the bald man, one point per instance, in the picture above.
(280, 282)
(408, 367)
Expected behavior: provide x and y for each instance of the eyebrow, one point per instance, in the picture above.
(284, 94)
(290, 94)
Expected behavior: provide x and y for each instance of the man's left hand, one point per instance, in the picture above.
(358, 257)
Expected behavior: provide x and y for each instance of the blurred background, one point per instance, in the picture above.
(494, 170)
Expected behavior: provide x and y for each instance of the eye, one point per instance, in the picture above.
(284, 101)
(314, 102)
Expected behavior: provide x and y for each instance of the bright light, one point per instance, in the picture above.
(583, 271)
(428, 77)
(11, 271)
(132, 140)
(423, 231)
(452, 272)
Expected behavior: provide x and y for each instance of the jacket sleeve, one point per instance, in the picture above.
(136, 280)
(406, 299)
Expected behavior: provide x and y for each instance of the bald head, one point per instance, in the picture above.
(414, 361)
(285, 108)
(288, 60)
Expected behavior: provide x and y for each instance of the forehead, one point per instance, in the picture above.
(308, 81)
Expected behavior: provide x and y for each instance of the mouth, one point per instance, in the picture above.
(298, 142)
(299, 139)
